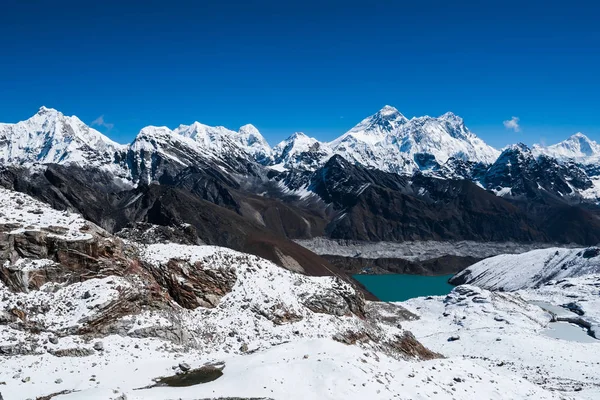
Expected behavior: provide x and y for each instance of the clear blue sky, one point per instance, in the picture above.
(312, 66)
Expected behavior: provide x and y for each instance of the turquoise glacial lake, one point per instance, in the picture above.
(400, 287)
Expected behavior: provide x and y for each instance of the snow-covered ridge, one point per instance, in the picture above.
(531, 269)
(441, 146)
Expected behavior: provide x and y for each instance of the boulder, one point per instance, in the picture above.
(185, 367)
(99, 346)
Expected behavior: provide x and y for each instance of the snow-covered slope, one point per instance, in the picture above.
(22, 213)
(531, 269)
(577, 147)
(536, 314)
(507, 334)
(51, 137)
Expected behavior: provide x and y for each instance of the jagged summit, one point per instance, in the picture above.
(386, 140)
(249, 137)
(517, 147)
(389, 113)
(373, 128)
(46, 110)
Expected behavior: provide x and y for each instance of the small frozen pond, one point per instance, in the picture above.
(551, 308)
(570, 332)
(564, 330)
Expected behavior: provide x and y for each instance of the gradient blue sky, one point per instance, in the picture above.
(312, 66)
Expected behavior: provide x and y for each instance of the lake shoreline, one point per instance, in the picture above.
(402, 287)
(439, 266)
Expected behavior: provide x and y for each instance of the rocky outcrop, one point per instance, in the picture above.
(191, 285)
(143, 232)
(408, 345)
(387, 313)
(29, 259)
(339, 301)
(194, 206)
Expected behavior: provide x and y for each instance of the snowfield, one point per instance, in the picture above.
(27, 214)
(505, 333)
(540, 321)
(304, 369)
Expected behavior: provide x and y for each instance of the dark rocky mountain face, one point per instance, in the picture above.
(527, 176)
(216, 215)
(376, 206)
(256, 214)
(146, 166)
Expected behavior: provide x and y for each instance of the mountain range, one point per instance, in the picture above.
(386, 140)
(389, 178)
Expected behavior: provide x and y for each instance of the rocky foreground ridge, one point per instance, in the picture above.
(68, 289)
(85, 314)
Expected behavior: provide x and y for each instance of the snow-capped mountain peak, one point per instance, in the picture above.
(254, 143)
(250, 131)
(389, 141)
(296, 143)
(46, 110)
(300, 151)
(389, 111)
(373, 128)
(576, 147)
(51, 137)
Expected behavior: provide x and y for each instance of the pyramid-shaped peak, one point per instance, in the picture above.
(451, 116)
(298, 135)
(389, 110)
(580, 136)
